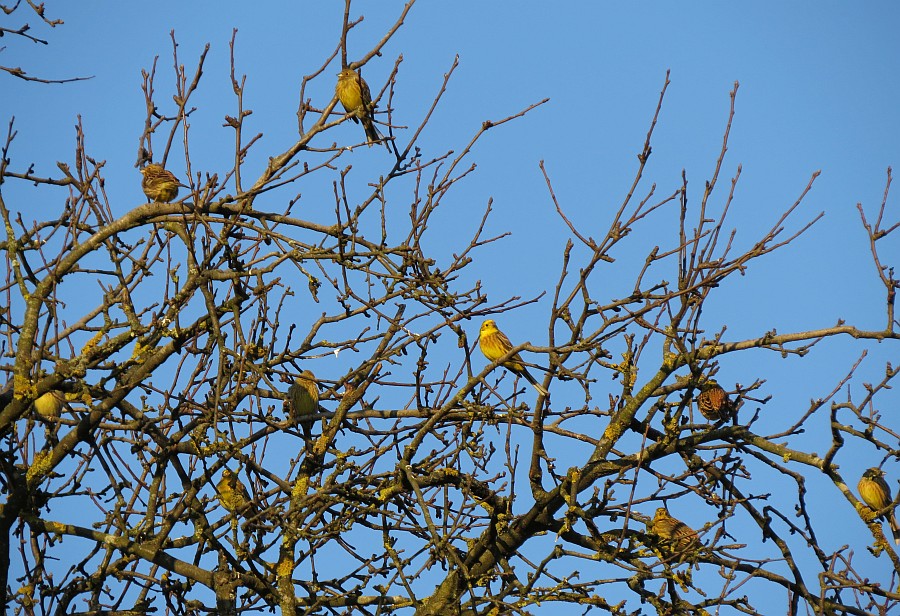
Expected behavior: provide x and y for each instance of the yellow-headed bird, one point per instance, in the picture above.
(233, 494)
(50, 404)
(304, 398)
(353, 92)
(158, 184)
(713, 402)
(494, 344)
(876, 493)
(672, 532)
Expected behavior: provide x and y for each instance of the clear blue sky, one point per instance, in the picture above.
(819, 90)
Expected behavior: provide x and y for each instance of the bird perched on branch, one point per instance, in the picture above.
(876, 493)
(353, 92)
(50, 405)
(159, 185)
(672, 533)
(713, 402)
(234, 496)
(304, 398)
(494, 344)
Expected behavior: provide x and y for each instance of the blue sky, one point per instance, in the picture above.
(819, 90)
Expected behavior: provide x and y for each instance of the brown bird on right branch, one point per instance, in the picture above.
(353, 92)
(876, 493)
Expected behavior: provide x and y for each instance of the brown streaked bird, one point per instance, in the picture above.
(353, 92)
(494, 344)
(50, 404)
(304, 399)
(159, 185)
(713, 402)
(876, 493)
(672, 533)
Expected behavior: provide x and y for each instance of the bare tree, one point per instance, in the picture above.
(176, 476)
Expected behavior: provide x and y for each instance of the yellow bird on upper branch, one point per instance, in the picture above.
(494, 344)
(353, 92)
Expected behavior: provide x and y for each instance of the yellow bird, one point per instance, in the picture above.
(713, 402)
(494, 344)
(50, 404)
(233, 494)
(158, 184)
(304, 399)
(672, 532)
(353, 92)
(876, 493)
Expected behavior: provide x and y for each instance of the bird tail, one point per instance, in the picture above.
(534, 382)
(895, 529)
(371, 132)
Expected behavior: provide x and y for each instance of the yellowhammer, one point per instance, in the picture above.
(233, 494)
(158, 184)
(353, 92)
(876, 493)
(672, 532)
(50, 404)
(713, 402)
(494, 344)
(304, 398)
